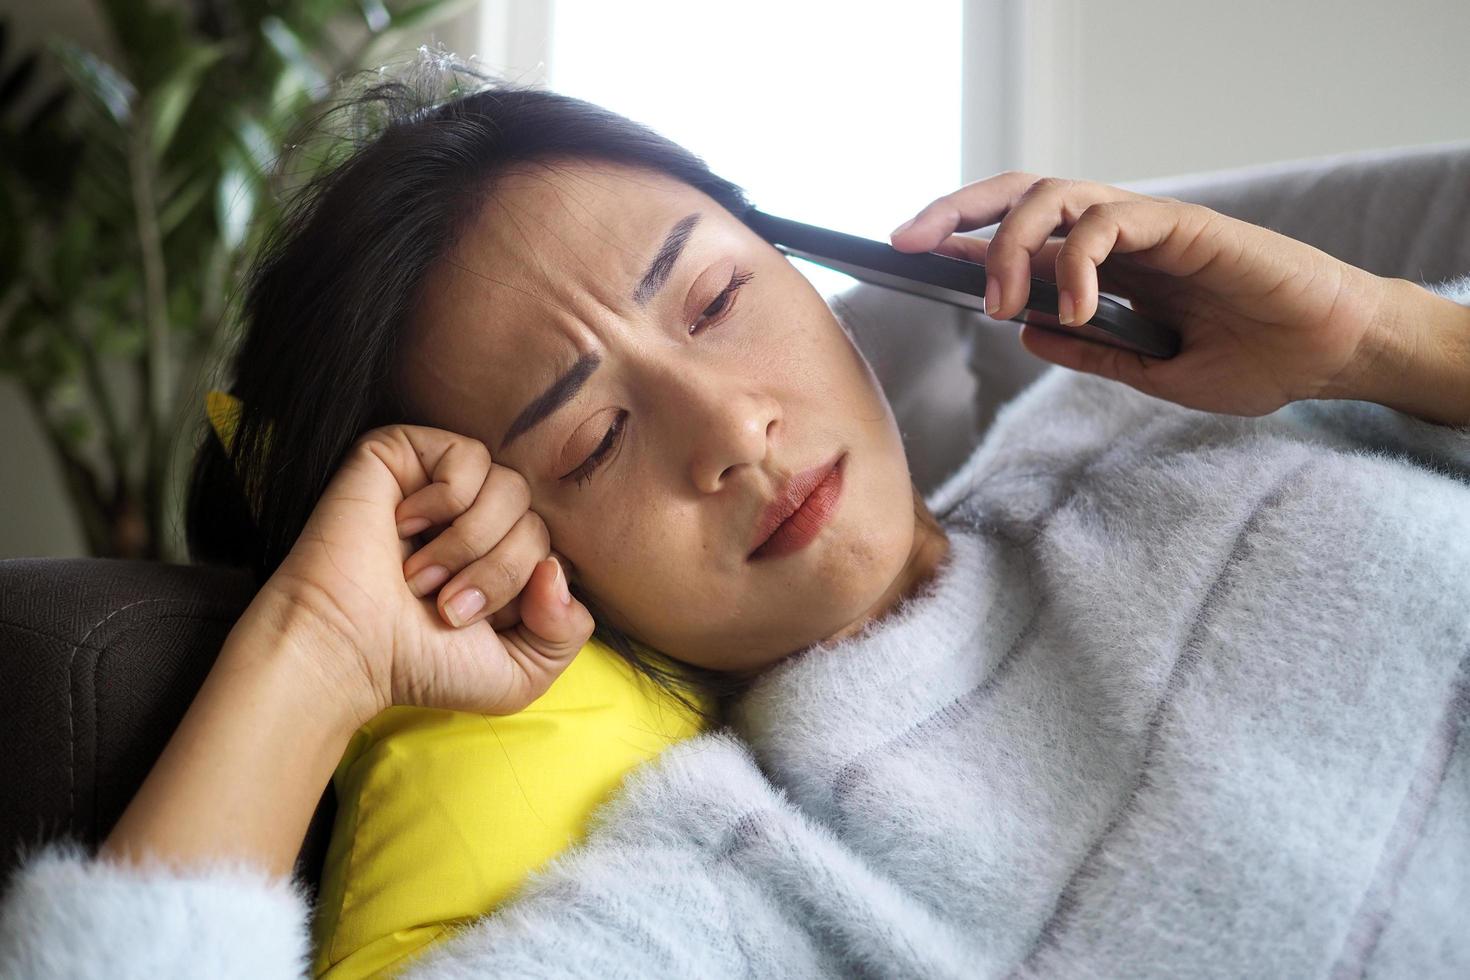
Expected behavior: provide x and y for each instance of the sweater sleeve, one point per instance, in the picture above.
(68, 915)
(1376, 428)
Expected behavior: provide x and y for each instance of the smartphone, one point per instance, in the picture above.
(958, 283)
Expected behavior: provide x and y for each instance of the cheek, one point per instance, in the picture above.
(823, 352)
(622, 556)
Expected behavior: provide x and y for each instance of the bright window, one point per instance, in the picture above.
(843, 114)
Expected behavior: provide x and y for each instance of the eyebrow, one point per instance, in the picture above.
(663, 263)
(565, 388)
(561, 391)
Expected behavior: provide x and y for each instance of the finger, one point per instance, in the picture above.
(963, 247)
(490, 582)
(1115, 228)
(975, 250)
(402, 459)
(567, 567)
(553, 627)
(437, 503)
(1090, 358)
(1043, 264)
(444, 500)
(420, 455)
(1046, 206)
(507, 615)
(973, 206)
(978, 249)
(1030, 220)
(475, 528)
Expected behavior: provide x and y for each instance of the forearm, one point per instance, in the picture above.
(244, 771)
(1420, 364)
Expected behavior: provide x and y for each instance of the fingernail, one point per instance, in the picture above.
(992, 295)
(903, 227)
(426, 580)
(561, 585)
(1065, 310)
(463, 606)
(412, 526)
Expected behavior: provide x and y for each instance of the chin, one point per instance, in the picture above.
(859, 568)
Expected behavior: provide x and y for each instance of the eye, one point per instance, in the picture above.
(722, 303)
(609, 442)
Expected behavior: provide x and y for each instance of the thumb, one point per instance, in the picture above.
(553, 626)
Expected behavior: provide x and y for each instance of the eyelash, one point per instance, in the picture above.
(723, 301)
(726, 297)
(584, 472)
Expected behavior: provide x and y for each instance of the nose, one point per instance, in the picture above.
(728, 428)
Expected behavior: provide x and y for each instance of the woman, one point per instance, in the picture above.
(1175, 682)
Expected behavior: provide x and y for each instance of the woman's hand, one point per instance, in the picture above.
(337, 635)
(1264, 319)
(387, 618)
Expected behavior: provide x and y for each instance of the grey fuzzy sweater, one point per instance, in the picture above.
(1190, 696)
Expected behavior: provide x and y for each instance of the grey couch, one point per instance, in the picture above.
(99, 658)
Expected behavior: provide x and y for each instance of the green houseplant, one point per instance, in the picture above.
(130, 199)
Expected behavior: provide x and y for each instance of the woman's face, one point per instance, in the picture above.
(710, 372)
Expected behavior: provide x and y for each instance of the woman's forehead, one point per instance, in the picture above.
(504, 310)
(549, 232)
(598, 214)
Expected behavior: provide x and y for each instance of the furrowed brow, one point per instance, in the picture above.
(557, 394)
(663, 263)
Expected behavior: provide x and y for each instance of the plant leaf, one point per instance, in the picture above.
(234, 204)
(74, 253)
(102, 83)
(183, 203)
(253, 140)
(374, 14)
(425, 12)
(292, 50)
(408, 19)
(177, 91)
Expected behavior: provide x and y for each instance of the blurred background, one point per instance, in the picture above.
(137, 139)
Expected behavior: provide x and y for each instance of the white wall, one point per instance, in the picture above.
(1121, 90)
(1111, 90)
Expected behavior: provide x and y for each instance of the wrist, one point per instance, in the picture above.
(281, 634)
(246, 768)
(1417, 360)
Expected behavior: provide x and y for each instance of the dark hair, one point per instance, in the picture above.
(337, 280)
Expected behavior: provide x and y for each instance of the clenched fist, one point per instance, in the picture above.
(477, 619)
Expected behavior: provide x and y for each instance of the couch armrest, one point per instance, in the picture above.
(99, 659)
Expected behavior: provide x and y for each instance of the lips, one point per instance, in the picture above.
(776, 531)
